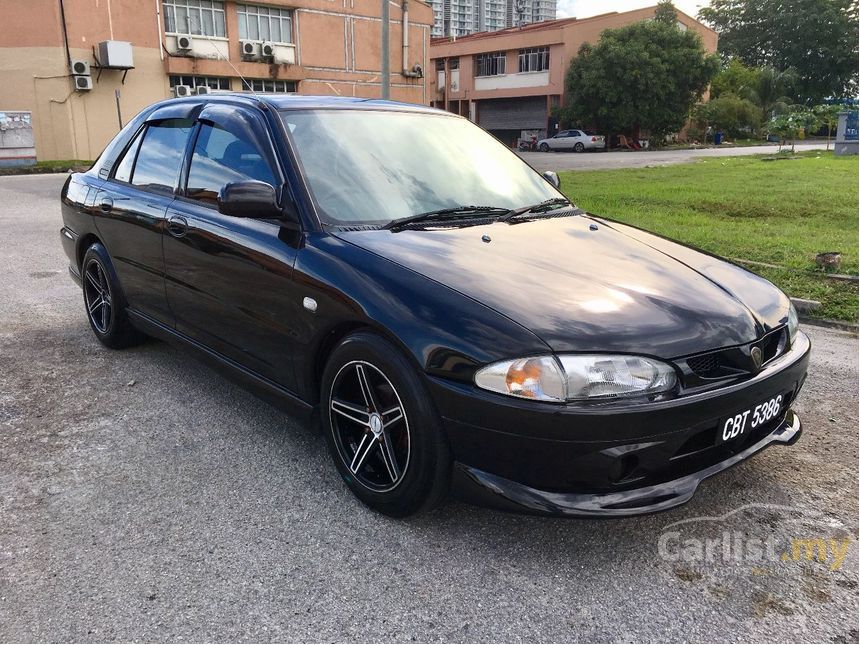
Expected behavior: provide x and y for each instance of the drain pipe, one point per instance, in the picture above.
(415, 71)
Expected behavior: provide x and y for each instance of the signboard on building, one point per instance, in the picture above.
(846, 134)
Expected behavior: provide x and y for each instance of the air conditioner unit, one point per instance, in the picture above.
(203, 89)
(184, 43)
(182, 90)
(250, 49)
(80, 68)
(267, 50)
(83, 83)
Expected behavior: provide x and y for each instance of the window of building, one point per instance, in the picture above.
(160, 155)
(220, 158)
(265, 23)
(440, 64)
(453, 63)
(212, 82)
(490, 64)
(535, 59)
(282, 87)
(195, 17)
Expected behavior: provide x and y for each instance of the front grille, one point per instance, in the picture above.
(733, 361)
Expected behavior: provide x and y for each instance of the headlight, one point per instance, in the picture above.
(577, 377)
(793, 324)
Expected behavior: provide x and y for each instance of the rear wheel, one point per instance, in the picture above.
(579, 147)
(381, 428)
(104, 302)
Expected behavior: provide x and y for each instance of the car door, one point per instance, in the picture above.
(229, 279)
(557, 142)
(132, 205)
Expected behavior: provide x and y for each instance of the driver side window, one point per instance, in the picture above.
(220, 158)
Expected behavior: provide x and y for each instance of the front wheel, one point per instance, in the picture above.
(381, 428)
(544, 147)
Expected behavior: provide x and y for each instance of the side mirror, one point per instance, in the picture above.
(255, 199)
(552, 178)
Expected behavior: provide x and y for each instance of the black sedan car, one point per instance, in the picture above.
(451, 319)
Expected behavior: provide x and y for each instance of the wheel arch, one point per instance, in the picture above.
(85, 243)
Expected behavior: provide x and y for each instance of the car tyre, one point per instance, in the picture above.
(382, 429)
(579, 147)
(104, 301)
(544, 147)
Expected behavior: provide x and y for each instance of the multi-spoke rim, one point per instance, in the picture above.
(369, 426)
(97, 296)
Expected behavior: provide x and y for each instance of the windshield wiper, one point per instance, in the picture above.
(543, 206)
(444, 214)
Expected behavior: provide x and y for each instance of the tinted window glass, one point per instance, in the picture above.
(220, 158)
(160, 154)
(123, 170)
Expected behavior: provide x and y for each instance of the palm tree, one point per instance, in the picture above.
(769, 91)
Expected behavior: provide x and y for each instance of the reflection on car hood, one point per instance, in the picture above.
(616, 288)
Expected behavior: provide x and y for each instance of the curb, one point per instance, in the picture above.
(841, 325)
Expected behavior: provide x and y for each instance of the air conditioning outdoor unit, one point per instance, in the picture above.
(182, 90)
(250, 49)
(268, 50)
(80, 68)
(184, 43)
(203, 89)
(83, 83)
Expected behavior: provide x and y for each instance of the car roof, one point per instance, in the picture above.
(294, 101)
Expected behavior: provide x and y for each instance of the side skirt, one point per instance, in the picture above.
(267, 390)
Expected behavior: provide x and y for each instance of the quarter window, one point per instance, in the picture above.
(220, 158)
(195, 17)
(490, 64)
(126, 164)
(160, 155)
(535, 59)
(265, 23)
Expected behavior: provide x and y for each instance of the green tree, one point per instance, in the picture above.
(729, 113)
(792, 124)
(647, 76)
(665, 12)
(817, 38)
(828, 116)
(769, 90)
(732, 77)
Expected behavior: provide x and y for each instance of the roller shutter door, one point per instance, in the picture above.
(525, 113)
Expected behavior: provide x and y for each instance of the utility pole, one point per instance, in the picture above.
(386, 63)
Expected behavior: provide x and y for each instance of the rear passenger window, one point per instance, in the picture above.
(219, 158)
(160, 155)
(126, 164)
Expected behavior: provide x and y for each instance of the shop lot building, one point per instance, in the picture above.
(509, 81)
(79, 67)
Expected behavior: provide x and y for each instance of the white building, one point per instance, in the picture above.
(463, 17)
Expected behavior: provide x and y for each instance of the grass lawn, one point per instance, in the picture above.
(61, 165)
(780, 212)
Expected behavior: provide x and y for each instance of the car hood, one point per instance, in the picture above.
(585, 284)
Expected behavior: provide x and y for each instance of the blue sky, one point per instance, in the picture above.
(586, 8)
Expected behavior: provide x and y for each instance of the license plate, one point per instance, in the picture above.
(738, 425)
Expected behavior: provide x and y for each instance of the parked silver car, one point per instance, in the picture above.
(572, 140)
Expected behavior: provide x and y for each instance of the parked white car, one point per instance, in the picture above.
(572, 140)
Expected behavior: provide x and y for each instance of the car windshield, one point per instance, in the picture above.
(372, 167)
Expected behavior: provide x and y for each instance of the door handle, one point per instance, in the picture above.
(105, 204)
(177, 226)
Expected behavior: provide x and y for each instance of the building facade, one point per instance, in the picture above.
(508, 81)
(464, 17)
(81, 67)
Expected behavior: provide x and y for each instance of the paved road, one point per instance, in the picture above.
(145, 498)
(616, 159)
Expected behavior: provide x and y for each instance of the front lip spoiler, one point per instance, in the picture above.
(491, 490)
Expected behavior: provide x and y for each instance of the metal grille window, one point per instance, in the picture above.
(265, 23)
(490, 64)
(195, 17)
(453, 63)
(534, 60)
(212, 82)
(282, 87)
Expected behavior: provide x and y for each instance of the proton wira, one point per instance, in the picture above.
(456, 325)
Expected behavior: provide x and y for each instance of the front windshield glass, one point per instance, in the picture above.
(372, 167)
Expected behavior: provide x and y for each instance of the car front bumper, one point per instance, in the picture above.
(608, 460)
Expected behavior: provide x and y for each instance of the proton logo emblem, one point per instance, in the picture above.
(756, 356)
